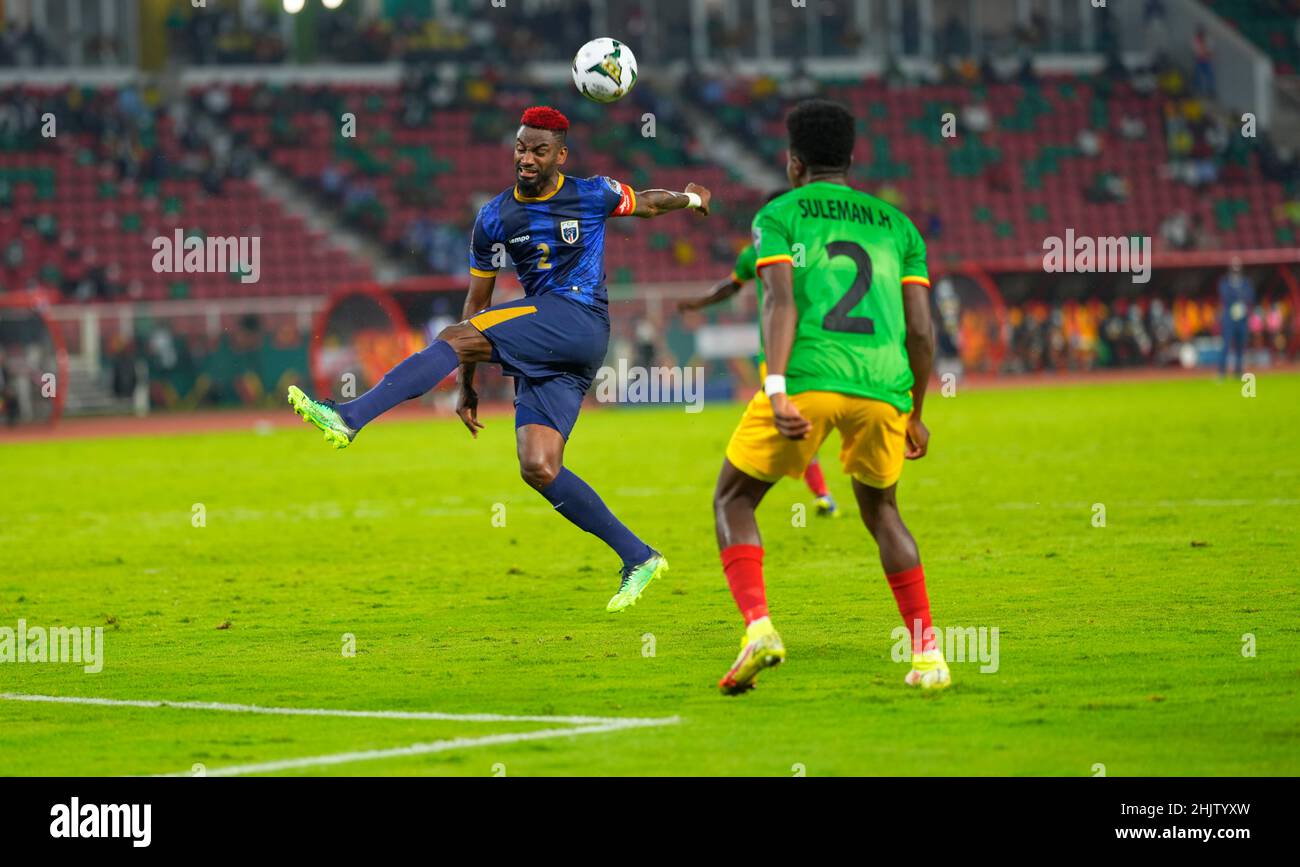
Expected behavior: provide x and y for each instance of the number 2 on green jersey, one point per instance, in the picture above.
(838, 318)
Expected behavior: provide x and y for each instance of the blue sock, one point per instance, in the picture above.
(412, 378)
(574, 499)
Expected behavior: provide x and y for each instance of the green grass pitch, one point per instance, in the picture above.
(1119, 645)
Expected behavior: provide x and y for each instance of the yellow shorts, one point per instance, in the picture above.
(873, 438)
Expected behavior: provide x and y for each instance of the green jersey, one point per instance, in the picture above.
(851, 253)
(745, 270)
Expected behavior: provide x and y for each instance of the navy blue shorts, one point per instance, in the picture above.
(553, 346)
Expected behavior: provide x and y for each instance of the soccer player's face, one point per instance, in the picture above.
(538, 155)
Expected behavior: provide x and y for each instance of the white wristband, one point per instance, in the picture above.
(695, 199)
(774, 384)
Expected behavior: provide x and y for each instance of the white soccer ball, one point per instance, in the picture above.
(604, 70)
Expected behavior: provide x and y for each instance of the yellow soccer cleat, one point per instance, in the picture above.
(826, 507)
(760, 648)
(929, 671)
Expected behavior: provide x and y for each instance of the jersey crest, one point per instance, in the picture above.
(569, 231)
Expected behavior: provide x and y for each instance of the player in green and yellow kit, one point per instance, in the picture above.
(846, 330)
(742, 273)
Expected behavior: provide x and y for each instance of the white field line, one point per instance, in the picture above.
(363, 714)
(424, 749)
(1127, 504)
(580, 725)
(333, 512)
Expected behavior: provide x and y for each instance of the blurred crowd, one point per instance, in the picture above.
(1084, 336)
(23, 45)
(251, 362)
(217, 35)
(1095, 334)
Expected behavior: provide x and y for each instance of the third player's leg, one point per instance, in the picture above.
(879, 507)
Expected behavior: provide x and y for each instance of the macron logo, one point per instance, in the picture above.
(131, 821)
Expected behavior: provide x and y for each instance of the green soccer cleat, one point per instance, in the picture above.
(635, 579)
(322, 414)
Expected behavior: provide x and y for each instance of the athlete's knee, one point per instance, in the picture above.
(538, 470)
(455, 333)
(878, 507)
(467, 341)
(733, 493)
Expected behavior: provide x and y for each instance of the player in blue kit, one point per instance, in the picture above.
(552, 341)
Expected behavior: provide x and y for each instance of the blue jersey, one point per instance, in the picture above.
(557, 241)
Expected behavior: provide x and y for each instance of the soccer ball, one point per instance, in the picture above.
(604, 70)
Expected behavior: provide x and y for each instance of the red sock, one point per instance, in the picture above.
(816, 481)
(744, 567)
(914, 605)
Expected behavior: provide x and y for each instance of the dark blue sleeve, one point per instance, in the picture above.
(483, 244)
(616, 198)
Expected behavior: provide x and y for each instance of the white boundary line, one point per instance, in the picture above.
(422, 749)
(312, 711)
(579, 725)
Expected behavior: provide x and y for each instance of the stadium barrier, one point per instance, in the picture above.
(180, 354)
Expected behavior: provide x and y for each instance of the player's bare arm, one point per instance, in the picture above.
(478, 298)
(721, 291)
(779, 320)
(920, 356)
(656, 203)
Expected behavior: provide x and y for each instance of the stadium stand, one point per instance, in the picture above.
(415, 185)
(82, 208)
(1273, 25)
(1032, 157)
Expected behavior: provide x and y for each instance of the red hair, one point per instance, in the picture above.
(545, 117)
